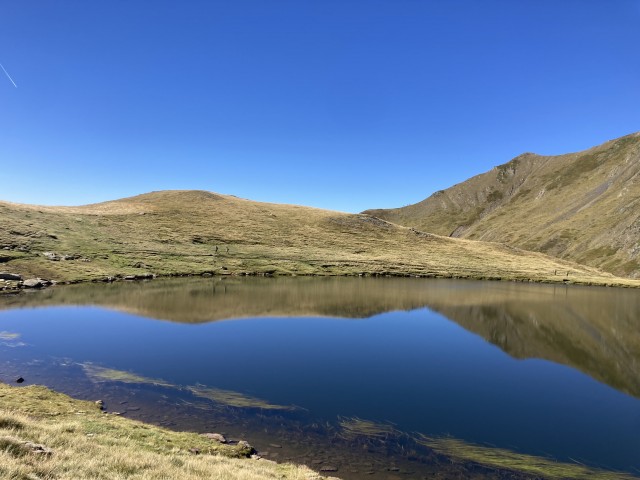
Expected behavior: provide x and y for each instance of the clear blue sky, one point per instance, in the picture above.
(341, 104)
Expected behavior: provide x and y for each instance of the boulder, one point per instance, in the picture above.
(142, 276)
(10, 276)
(329, 468)
(33, 283)
(215, 436)
(245, 449)
(51, 256)
(38, 448)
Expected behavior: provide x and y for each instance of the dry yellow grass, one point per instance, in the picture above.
(88, 444)
(178, 232)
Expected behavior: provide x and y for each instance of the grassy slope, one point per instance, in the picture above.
(176, 232)
(90, 444)
(583, 206)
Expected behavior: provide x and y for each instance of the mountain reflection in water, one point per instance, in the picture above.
(592, 329)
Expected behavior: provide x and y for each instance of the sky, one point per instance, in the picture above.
(338, 104)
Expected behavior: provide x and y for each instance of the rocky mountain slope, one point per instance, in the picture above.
(581, 206)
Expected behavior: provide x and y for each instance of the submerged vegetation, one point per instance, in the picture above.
(517, 462)
(109, 374)
(9, 336)
(51, 436)
(354, 427)
(219, 396)
(448, 449)
(234, 399)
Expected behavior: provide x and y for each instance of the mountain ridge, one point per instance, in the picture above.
(582, 206)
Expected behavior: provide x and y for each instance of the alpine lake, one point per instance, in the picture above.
(378, 378)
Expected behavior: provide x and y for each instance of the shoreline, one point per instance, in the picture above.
(17, 287)
(46, 434)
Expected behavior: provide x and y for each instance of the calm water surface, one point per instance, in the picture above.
(543, 370)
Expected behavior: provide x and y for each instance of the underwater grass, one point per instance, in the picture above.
(235, 399)
(507, 460)
(228, 398)
(9, 336)
(353, 427)
(109, 374)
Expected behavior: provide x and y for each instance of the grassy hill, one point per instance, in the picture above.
(581, 206)
(195, 232)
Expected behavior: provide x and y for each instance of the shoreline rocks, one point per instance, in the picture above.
(36, 283)
(10, 276)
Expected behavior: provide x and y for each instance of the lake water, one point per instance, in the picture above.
(350, 374)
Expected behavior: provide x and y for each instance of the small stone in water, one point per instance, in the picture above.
(329, 468)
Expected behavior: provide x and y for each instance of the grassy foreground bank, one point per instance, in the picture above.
(47, 435)
(194, 232)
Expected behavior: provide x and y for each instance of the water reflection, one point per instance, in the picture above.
(592, 329)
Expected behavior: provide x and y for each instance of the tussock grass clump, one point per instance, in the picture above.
(13, 446)
(85, 443)
(10, 423)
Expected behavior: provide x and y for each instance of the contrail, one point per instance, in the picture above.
(8, 76)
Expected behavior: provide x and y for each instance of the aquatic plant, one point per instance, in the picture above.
(235, 399)
(504, 459)
(353, 427)
(9, 335)
(109, 374)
